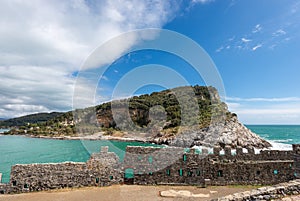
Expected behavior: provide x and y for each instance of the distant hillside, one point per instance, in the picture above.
(205, 103)
(31, 119)
(183, 116)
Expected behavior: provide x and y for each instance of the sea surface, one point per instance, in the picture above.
(24, 150)
(280, 136)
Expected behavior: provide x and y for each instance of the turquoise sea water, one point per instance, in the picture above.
(286, 134)
(24, 150)
(3, 130)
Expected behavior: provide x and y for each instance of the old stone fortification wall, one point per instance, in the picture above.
(275, 192)
(151, 165)
(177, 166)
(37, 177)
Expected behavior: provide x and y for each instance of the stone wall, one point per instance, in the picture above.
(179, 166)
(37, 177)
(153, 165)
(276, 192)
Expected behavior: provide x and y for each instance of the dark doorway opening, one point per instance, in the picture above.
(129, 176)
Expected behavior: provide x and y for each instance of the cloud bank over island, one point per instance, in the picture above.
(44, 42)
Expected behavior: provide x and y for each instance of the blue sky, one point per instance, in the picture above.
(254, 44)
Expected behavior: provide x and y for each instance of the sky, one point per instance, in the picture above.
(254, 45)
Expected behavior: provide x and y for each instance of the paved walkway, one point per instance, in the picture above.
(125, 193)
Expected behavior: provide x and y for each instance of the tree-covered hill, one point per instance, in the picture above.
(182, 106)
(29, 119)
(183, 116)
(167, 110)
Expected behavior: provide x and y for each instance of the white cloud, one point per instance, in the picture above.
(104, 78)
(271, 111)
(231, 39)
(42, 43)
(234, 42)
(256, 47)
(220, 49)
(285, 99)
(284, 110)
(233, 106)
(112, 52)
(245, 40)
(295, 7)
(271, 31)
(257, 28)
(232, 3)
(202, 1)
(279, 32)
(273, 46)
(272, 115)
(287, 39)
(29, 89)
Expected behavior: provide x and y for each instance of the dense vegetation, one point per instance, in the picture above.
(29, 119)
(166, 110)
(179, 106)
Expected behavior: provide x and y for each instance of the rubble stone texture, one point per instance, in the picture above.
(169, 165)
(276, 192)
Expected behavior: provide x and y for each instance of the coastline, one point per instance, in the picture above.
(99, 136)
(96, 136)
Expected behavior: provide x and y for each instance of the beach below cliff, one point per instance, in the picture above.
(130, 192)
(95, 136)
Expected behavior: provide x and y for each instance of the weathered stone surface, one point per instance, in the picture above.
(231, 133)
(98, 171)
(277, 192)
(179, 166)
(169, 165)
(182, 193)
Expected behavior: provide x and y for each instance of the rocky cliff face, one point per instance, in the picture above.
(235, 134)
(231, 133)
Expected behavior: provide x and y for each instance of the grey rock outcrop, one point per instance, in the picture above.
(230, 132)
